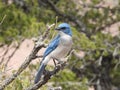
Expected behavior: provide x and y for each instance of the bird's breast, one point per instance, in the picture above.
(63, 48)
(66, 40)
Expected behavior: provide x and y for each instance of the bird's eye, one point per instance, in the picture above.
(63, 28)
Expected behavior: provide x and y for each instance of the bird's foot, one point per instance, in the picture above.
(60, 64)
(48, 74)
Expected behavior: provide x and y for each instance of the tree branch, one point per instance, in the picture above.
(69, 17)
(35, 50)
(49, 74)
(107, 25)
(9, 58)
(47, 77)
(2, 20)
(81, 25)
(98, 6)
(3, 56)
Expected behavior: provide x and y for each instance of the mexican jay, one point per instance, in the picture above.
(58, 48)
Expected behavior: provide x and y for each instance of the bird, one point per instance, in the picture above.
(57, 49)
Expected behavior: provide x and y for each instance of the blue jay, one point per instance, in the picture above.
(58, 48)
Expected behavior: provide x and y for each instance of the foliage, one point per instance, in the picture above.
(102, 51)
(18, 24)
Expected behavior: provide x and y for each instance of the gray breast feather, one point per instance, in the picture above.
(66, 40)
(63, 48)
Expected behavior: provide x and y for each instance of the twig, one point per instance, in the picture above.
(37, 57)
(116, 50)
(3, 19)
(118, 63)
(35, 50)
(55, 26)
(107, 25)
(46, 78)
(82, 26)
(3, 56)
(97, 6)
(48, 75)
(9, 58)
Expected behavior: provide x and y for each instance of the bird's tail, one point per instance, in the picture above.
(39, 73)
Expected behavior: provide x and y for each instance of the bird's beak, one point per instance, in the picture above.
(58, 28)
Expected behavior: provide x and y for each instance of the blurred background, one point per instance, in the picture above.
(95, 64)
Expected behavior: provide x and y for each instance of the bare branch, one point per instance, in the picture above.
(3, 19)
(70, 17)
(9, 58)
(3, 56)
(47, 77)
(116, 66)
(81, 25)
(98, 6)
(35, 50)
(107, 25)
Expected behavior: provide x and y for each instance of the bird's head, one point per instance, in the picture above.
(64, 27)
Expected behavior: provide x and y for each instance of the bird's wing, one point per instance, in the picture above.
(52, 45)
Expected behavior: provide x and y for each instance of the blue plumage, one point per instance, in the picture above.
(52, 45)
(57, 48)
